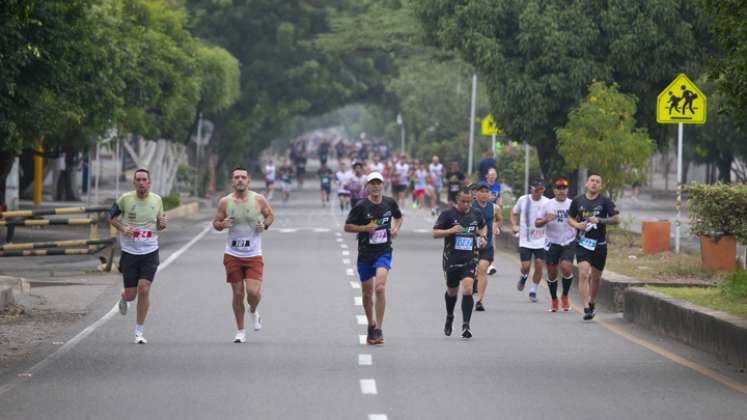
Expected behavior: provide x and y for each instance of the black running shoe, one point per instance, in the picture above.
(465, 331)
(379, 336)
(479, 307)
(371, 337)
(448, 325)
(588, 314)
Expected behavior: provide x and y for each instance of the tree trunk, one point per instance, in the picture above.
(724, 167)
(6, 163)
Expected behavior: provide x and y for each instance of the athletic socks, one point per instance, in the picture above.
(534, 288)
(524, 277)
(467, 304)
(567, 284)
(139, 329)
(450, 304)
(553, 286)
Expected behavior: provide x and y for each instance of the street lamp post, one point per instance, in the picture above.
(401, 125)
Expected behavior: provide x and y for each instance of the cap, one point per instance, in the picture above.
(561, 183)
(374, 175)
(538, 185)
(357, 163)
(482, 184)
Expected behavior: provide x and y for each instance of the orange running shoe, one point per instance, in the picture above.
(554, 305)
(566, 304)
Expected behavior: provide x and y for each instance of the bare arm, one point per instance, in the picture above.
(576, 225)
(514, 222)
(442, 233)
(397, 225)
(351, 228)
(266, 211)
(220, 220)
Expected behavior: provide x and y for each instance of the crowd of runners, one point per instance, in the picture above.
(552, 233)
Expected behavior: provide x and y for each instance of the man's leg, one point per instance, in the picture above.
(596, 277)
(237, 302)
(482, 280)
(526, 265)
(539, 264)
(583, 281)
(552, 284)
(450, 297)
(367, 289)
(143, 300)
(380, 288)
(467, 305)
(566, 270)
(253, 296)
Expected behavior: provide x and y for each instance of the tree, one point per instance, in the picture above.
(601, 135)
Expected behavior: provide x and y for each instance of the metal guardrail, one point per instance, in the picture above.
(12, 219)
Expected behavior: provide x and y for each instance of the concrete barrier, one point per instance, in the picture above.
(712, 331)
(6, 297)
(183, 211)
(15, 290)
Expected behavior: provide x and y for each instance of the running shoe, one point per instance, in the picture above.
(139, 339)
(554, 305)
(448, 324)
(522, 282)
(240, 337)
(533, 297)
(491, 270)
(588, 314)
(379, 336)
(371, 335)
(256, 320)
(565, 303)
(123, 306)
(465, 331)
(479, 307)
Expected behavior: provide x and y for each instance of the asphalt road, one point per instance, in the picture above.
(308, 363)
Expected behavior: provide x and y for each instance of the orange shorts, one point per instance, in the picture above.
(238, 269)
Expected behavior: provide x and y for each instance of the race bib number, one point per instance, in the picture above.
(590, 244)
(240, 243)
(464, 243)
(536, 233)
(142, 235)
(378, 237)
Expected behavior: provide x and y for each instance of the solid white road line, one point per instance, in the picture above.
(368, 387)
(365, 360)
(321, 230)
(101, 321)
(361, 319)
(377, 417)
(362, 339)
(355, 285)
(358, 301)
(287, 230)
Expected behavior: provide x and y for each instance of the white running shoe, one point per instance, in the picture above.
(139, 339)
(256, 320)
(123, 305)
(240, 337)
(491, 270)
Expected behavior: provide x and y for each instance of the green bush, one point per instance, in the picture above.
(735, 285)
(718, 210)
(171, 201)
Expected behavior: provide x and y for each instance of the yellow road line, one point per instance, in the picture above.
(708, 373)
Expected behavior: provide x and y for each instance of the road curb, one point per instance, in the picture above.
(709, 330)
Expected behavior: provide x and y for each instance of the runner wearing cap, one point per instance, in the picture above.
(590, 213)
(531, 238)
(376, 220)
(494, 185)
(493, 220)
(464, 231)
(560, 247)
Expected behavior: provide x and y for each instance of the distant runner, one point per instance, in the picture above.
(246, 215)
(493, 220)
(325, 184)
(138, 216)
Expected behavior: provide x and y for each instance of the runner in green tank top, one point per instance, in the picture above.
(246, 214)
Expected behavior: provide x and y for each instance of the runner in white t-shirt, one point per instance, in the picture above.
(343, 195)
(561, 243)
(531, 238)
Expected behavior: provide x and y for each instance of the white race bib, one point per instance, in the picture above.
(142, 235)
(590, 244)
(463, 243)
(240, 244)
(379, 236)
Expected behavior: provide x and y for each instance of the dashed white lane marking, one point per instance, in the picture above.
(339, 239)
(349, 272)
(362, 339)
(422, 231)
(101, 321)
(377, 417)
(368, 387)
(361, 319)
(346, 260)
(338, 234)
(358, 301)
(346, 253)
(321, 230)
(344, 246)
(287, 230)
(365, 360)
(355, 285)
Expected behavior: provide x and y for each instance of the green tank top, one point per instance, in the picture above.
(243, 239)
(243, 213)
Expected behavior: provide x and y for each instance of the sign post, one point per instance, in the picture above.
(680, 103)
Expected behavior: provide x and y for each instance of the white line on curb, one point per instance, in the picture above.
(358, 301)
(377, 417)
(361, 319)
(368, 386)
(349, 272)
(344, 246)
(365, 360)
(362, 339)
(346, 260)
(345, 253)
(339, 239)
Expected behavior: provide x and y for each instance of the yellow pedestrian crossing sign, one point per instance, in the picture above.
(681, 103)
(488, 126)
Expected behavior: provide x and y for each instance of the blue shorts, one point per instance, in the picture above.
(367, 269)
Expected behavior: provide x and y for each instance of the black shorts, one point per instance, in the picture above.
(343, 194)
(525, 254)
(597, 258)
(558, 253)
(455, 275)
(486, 254)
(135, 267)
(326, 188)
(399, 188)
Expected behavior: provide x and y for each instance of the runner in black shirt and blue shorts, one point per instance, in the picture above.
(590, 213)
(464, 231)
(377, 220)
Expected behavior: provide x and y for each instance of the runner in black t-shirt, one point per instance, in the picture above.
(590, 213)
(463, 229)
(454, 181)
(371, 219)
(325, 183)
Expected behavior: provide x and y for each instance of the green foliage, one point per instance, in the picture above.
(511, 166)
(171, 201)
(601, 136)
(718, 210)
(735, 285)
